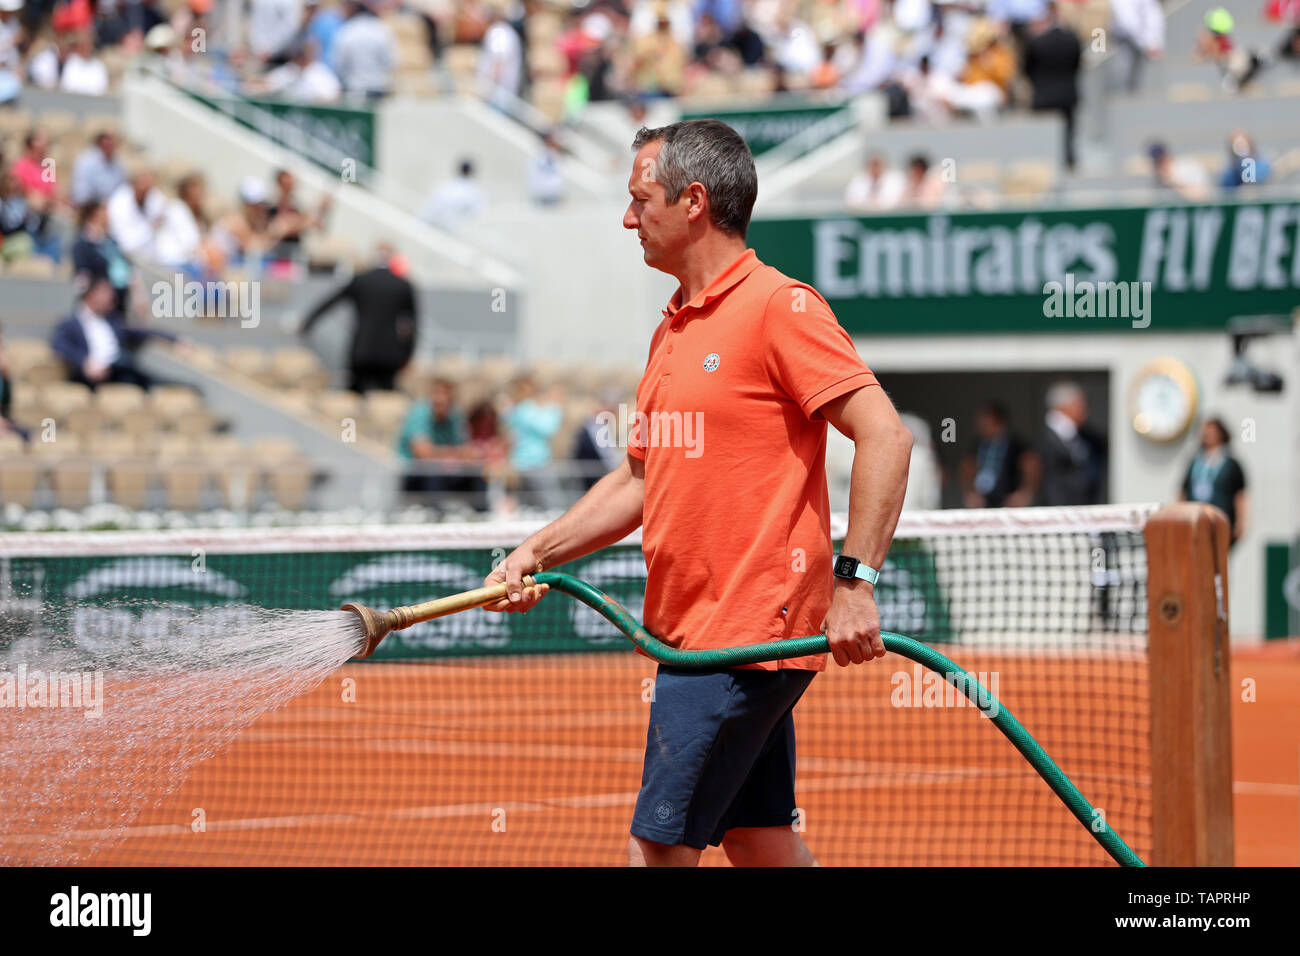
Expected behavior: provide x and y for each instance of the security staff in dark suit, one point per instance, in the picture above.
(1073, 457)
(383, 339)
(1052, 60)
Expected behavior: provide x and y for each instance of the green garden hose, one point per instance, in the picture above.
(817, 644)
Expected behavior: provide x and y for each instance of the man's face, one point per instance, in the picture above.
(987, 424)
(108, 145)
(441, 400)
(99, 298)
(663, 228)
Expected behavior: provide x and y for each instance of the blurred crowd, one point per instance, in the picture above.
(108, 217)
(933, 58)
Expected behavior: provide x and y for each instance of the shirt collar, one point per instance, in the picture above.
(729, 277)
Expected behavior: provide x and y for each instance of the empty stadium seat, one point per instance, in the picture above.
(185, 482)
(19, 479)
(71, 480)
(129, 481)
(290, 484)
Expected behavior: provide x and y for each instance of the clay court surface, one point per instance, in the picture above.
(537, 761)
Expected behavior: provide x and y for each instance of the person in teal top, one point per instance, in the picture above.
(1215, 478)
(532, 424)
(435, 431)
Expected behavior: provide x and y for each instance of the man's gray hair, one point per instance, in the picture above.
(711, 153)
(1064, 393)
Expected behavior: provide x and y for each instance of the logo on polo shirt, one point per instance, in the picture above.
(711, 362)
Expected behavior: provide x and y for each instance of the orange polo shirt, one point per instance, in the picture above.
(736, 525)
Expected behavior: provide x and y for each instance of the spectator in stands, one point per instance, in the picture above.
(12, 39)
(1001, 471)
(291, 220)
(98, 172)
(984, 86)
(500, 64)
(1073, 456)
(545, 178)
(383, 338)
(83, 72)
(533, 422)
(436, 433)
(1237, 64)
(96, 345)
(303, 78)
(485, 437)
(365, 52)
(34, 169)
(1052, 60)
(1138, 29)
(7, 425)
(45, 68)
(124, 23)
(179, 242)
(134, 211)
(96, 255)
(1245, 165)
(455, 201)
(875, 187)
(322, 26)
(658, 61)
(1215, 478)
(1182, 176)
(272, 26)
(23, 222)
(927, 92)
(1019, 15)
(244, 237)
(924, 187)
(597, 442)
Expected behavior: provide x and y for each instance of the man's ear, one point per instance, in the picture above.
(699, 202)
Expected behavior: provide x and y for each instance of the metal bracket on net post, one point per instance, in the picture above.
(1190, 686)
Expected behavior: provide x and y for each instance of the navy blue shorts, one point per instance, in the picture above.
(719, 754)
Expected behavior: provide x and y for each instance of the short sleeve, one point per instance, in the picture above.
(1238, 477)
(809, 355)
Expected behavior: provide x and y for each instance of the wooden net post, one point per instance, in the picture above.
(1190, 682)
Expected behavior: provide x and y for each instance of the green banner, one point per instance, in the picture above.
(110, 605)
(1064, 270)
(339, 139)
(765, 128)
(1281, 590)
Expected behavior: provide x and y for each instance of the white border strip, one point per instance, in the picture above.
(435, 537)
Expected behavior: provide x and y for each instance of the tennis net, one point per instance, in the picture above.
(517, 739)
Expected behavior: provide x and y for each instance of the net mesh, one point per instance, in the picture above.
(518, 739)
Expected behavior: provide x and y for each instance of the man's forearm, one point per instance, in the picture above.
(606, 514)
(880, 466)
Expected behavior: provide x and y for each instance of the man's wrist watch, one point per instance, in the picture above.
(851, 569)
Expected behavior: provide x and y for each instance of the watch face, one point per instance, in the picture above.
(845, 566)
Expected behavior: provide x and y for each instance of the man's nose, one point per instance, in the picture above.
(629, 219)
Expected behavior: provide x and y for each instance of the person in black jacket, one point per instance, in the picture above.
(1052, 59)
(384, 337)
(1073, 456)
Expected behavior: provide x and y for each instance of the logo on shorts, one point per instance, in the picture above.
(663, 812)
(711, 362)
